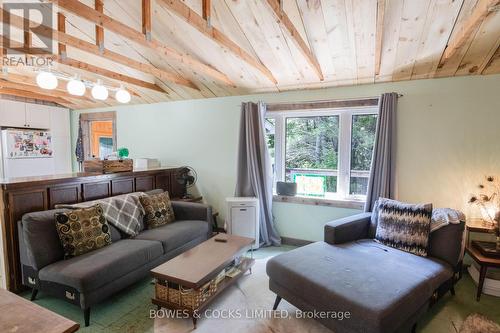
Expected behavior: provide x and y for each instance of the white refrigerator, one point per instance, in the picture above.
(26, 153)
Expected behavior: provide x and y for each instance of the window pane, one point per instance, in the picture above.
(270, 125)
(312, 153)
(362, 140)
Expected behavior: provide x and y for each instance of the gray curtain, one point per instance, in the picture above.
(382, 172)
(255, 176)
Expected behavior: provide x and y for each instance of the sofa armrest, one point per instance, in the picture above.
(347, 229)
(193, 211)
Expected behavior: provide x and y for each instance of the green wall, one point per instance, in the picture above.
(448, 138)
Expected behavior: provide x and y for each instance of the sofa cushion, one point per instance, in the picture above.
(404, 226)
(42, 242)
(380, 286)
(97, 268)
(157, 209)
(176, 234)
(82, 230)
(447, 243)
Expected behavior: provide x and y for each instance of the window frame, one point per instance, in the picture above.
(344, 154)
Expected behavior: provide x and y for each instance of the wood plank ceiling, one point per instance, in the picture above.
(163, 50)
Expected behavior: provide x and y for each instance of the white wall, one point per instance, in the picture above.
(448, 138)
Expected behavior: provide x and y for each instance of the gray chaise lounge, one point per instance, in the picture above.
(384, 289)
(92, 277)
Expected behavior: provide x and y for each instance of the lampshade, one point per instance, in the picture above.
(76, 87)
(122, 95)
(99, 91)
(46, 80)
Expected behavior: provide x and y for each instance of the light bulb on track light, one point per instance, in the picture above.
(76, 87)
(46, 80)
(122, 95)
(99, 91)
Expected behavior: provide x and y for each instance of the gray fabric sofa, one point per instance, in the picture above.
(384, 290)
(92, 277)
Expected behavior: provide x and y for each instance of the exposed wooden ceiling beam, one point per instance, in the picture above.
(105, 73)
(28, 38)
(196, 21)
(481, 11)
(61, 26)
(207, 11)
(15, 81)
(78, 43)
(110, 74)
(285, 21)
(63, 59)
(379, 35)
(125, 31)
(146, 19)
(489, 58)
(99, 31)
(30, 94)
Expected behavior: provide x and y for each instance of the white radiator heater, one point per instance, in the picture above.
(243, 218)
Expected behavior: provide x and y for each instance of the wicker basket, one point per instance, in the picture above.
(187, 298)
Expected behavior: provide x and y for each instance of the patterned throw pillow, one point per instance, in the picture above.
(158, 209)
(82, 230)
(404, 226)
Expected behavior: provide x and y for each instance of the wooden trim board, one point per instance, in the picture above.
(322, 104)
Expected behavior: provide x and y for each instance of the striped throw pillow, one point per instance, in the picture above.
(404, 226)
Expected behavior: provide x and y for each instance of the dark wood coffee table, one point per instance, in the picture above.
(196, 268)
(22, 316)
(484, 263)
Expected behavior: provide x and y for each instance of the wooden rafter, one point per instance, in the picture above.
(14, 81)
(28, 39)
(207, 11)
(61, 26)
(286, 23)
(196, 21)
(379, 35)
(125, 31)
(105, 73)
(29, 94)
(99, 31)
(146, 18)
(110, 74)
(489, 58)
(63, 59)
(481, 11)
(78, 43)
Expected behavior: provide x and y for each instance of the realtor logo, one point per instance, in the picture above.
(30, 18)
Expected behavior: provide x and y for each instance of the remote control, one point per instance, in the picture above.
(221, 240)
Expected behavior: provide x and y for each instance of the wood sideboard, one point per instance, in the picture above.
(23, 195)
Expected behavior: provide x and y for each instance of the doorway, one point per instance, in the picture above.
(98, 134)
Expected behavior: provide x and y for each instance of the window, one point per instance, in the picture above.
(326, 152)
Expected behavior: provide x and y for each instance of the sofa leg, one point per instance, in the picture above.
(86, 316)
(452, 290)
(277, 302)
(34, 292)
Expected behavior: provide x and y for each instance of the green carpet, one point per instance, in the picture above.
(128, 311)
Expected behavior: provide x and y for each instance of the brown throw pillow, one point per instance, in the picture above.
(82, 230)
(158, 209)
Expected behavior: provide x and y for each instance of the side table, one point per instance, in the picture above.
(478, 225)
